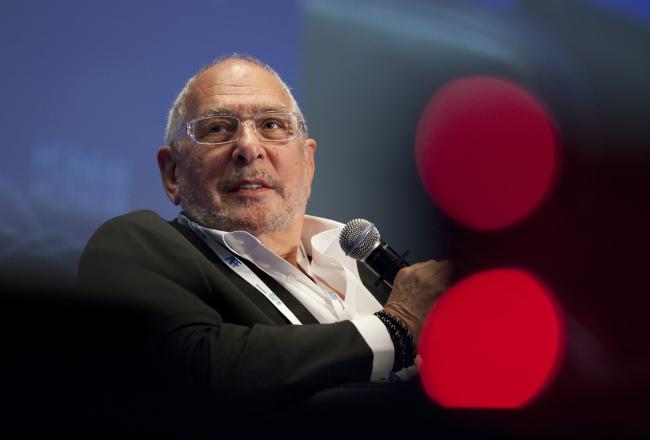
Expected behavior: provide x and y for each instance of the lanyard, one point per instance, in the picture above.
(334, 299)
(240, 268)
(339, 306)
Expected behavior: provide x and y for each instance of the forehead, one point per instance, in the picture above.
(237, 86)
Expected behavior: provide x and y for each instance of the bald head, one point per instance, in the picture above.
(231, 68)
(249, 183)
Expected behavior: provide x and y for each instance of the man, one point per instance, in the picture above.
(244, 296)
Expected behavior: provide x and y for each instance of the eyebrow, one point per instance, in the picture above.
(254, 109)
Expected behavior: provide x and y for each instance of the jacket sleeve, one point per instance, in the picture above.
(145, 266)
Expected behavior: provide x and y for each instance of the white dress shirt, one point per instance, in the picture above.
(333, 293)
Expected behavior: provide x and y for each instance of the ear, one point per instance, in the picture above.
(310, 150)
(167, 163)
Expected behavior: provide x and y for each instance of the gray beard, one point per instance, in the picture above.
(225, 218)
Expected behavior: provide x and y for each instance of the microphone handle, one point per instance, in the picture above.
(385, 262)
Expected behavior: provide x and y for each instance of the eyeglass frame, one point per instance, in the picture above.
(186, 131)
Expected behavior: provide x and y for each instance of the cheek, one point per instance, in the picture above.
(205, 170)
(294, 173)
(294, 160)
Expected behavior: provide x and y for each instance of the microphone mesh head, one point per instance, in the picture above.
(358, 238)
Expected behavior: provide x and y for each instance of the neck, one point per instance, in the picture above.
(284, 242)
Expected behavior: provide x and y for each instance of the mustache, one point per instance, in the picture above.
(229, 183)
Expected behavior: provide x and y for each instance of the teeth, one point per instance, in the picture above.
(250, 186)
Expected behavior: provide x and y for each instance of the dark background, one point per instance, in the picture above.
(86, 87)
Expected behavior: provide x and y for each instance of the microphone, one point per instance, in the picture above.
(360, 240)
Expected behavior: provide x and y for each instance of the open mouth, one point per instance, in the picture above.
(249, 186)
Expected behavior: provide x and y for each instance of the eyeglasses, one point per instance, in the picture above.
(271, 126)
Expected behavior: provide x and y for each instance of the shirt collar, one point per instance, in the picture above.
(242, 242)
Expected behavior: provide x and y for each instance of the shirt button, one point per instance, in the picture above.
(291, 279)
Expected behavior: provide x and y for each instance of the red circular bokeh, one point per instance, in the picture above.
(493, 340)
(486, 152)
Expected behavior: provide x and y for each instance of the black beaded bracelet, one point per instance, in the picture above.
(397, 342)
(402, 340)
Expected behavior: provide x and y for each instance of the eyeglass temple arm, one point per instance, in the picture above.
(180, 133)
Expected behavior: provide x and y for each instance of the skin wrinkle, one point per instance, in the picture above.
(211, 111)
(202, 179)
(206, 175)
(223, 218)
(179, 111)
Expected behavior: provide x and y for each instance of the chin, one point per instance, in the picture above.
(261, 223)
(254, 216)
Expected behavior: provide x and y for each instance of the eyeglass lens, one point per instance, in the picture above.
(268, 126)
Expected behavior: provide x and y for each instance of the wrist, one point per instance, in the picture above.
(401, 338)
(411, 321)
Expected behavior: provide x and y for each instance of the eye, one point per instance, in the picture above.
(272, 124)
(216, 128)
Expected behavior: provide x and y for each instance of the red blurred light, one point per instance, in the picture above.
(486, 152)
(494, 340)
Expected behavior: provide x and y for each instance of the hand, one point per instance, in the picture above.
(415, 289)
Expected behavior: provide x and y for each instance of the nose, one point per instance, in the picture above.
(247, 146)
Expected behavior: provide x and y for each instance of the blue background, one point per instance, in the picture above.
(86, 87)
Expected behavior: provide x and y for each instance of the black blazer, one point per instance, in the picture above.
(206, 328)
